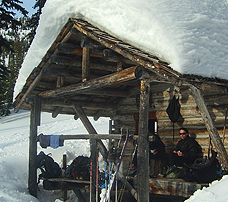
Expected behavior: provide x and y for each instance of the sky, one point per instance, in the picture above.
(27, 4)
(191, 35)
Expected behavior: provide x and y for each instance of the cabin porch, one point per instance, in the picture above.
(86, 72)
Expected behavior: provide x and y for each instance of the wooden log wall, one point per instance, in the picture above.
(216, 101)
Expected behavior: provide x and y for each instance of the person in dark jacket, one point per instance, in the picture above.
(156, 151)
(156, 147)
(187, 150)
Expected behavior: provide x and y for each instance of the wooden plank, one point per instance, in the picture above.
(210, 126)
(34, 122)
(174, 187)
(102, 82)
(143, 144)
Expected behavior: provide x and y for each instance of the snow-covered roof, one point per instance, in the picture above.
(190, 35)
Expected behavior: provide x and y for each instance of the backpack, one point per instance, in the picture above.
(79, 168)
(174, 172)
(203, 171)
(49, 168)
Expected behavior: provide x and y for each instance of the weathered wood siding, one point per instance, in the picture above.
(216, 100)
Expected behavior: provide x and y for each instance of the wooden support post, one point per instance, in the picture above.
(216, 140)
(143, 143)
(86, 64)
(56, 112)
(79, 194)
(119, 66)
(34, 122)
(60, 81)
(93, 149)
(64, 168)
(103, 150)
(89, 127)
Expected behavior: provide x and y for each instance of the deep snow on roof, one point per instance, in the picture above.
(191, 35)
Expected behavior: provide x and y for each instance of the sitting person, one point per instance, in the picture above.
(187, 150)
(156, 151)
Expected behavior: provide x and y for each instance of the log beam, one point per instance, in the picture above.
(109, 92)
(73, 49)
(76, 62)
(102, 82)
(71, 103)
(216, 140)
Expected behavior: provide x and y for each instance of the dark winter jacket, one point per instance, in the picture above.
(155, 144)
(158, 145)
(190, 148)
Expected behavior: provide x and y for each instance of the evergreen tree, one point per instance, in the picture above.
(8, 21)
(15, 58)
(15, 39)
(34, 20)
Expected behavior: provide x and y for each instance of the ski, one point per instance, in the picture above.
(119, 164)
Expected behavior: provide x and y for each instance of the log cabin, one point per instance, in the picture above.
(89, 73)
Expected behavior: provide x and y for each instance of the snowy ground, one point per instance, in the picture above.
(14, 135)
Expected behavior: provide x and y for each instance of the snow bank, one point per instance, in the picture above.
(214, 193)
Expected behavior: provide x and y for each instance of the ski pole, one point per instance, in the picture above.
(116, 184)
(105, 170)
(90, 189)
(97, 173)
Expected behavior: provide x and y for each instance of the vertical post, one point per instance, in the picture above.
(34, 122)
(143, 143)
(85, 64)
(64, 168)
